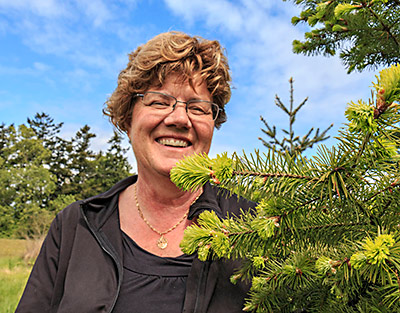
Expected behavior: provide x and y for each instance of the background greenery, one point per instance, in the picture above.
(41, 173)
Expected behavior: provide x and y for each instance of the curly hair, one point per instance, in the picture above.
(171, 52)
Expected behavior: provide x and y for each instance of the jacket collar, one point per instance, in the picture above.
(208, 200)
(98, 209)
(116, 189)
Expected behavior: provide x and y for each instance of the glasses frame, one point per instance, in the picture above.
(141, 95)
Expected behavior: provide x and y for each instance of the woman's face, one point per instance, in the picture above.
(160, 139)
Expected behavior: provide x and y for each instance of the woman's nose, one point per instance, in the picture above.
(179, 116)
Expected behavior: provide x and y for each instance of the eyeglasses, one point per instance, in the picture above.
(196, 109)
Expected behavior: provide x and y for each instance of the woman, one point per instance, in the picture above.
(119, 251)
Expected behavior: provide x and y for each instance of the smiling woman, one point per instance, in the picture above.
(161, 137)
(119, 251)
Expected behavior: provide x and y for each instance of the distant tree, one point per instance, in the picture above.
(290, 142)
(108, 168)
(45, 129)
(367, 33)
(80, 162)
(48, 132)
(25, 182)
(6, 134)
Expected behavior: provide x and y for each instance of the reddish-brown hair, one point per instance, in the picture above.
(171, 52)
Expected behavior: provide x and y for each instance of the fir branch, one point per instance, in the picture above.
(385, 27)
(395, 184)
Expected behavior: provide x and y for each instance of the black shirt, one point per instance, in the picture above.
(151, 283)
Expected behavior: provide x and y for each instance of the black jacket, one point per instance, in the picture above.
(79, 268)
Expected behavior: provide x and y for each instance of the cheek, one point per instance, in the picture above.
(205, 134)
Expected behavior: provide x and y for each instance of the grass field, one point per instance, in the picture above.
(14, 272)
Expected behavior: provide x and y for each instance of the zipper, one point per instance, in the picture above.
(103, 245)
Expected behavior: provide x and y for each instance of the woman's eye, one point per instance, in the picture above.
(159, 104)
(198, 109)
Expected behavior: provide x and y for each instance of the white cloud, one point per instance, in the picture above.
(43, 8)
(216, 13)
(41, 66)
(49, 37)
(95, 10)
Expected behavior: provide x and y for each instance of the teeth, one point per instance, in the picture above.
(173, 142)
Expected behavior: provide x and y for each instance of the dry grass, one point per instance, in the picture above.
(14, 271)
(27, 249)
(32, 249)
(12, 247)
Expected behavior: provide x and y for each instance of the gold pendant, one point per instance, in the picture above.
(162, 243)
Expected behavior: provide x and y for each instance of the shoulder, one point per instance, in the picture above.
(73, 212)
(231, 203)
(223, 202)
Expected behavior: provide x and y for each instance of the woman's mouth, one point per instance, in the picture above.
(171, 142)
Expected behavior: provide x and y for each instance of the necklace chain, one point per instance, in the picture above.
(162, 242)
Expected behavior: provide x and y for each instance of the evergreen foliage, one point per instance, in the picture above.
(41, 173)
(367, 33)
(292, 144)
(325, 236)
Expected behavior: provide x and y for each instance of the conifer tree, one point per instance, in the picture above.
(81, 163)
(367, 33)
(325, 236)
(290, 142)
(109, 167)
(47, 131)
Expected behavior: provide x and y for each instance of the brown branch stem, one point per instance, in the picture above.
(331, 225)
(260, 174)
(385, 27)
(393, 185)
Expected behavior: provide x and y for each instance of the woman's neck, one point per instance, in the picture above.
(159, 204)
(162, 195)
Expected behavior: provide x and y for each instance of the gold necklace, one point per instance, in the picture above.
(162, 242)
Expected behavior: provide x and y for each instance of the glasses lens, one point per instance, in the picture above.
(202, 109)
(158, 100)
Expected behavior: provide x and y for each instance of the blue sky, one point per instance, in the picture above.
(63, 58)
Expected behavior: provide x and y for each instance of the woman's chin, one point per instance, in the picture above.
(165, 169)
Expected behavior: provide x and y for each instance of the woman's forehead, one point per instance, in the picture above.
(176, 80)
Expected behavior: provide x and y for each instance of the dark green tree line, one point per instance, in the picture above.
(40, 172)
